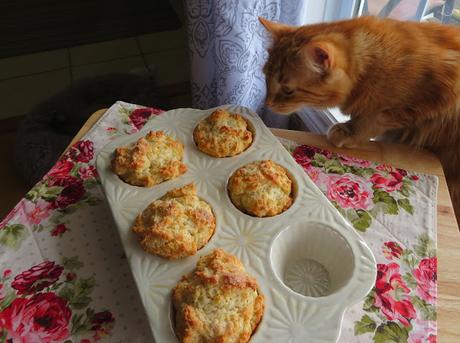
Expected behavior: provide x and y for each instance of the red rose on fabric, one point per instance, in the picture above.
(354, 161)
(423, 332)
(6, 273)
(59, 230)
(36, 278)
(70, 276)
(62, 180)
(304, 154)
(402, 172)
(61, 168)
(390, 184)
(87, 172)
(384, 167)
(349, 191)
(82, 151)
(102, 323)
(426, 275)
(42, 318)
(71, 194)
(392, 250)
(140, 116)
(392, 294)
(101, 318)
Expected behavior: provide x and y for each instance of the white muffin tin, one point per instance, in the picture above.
(310, 263)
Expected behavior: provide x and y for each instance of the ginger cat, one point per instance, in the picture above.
(396, 78)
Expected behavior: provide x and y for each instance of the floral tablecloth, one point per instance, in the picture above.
(64, 277)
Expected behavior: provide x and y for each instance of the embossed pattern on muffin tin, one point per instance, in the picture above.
(310, 242)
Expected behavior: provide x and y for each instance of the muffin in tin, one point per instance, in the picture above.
(223, 134)
(153, 159)
(176, 225)
(217, 302)
(261, 189)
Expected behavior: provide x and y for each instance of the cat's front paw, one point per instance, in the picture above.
(341, 136)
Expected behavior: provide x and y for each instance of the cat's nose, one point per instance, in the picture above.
(268, 102)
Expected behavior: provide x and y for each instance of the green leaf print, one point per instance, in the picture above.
(391, 332)
(333, 166)
(11, 236)
(409, 259)
(78, 294)
(35, 193)
(362, 220)
(319, 160)
(410, 280)
(72, 263)
(3, 336)
(391, 206)
(56, 218)
(7, 300)
(80, 323)
(365, 325)
(89, 183)
(405, 204)
(425, 246)
(406, 188)
(428, 311)
(368, 305)
(41, 190)
(74, 171)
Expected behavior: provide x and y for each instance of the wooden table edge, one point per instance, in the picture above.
(407, 158)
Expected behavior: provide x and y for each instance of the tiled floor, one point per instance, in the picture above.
(27, 80)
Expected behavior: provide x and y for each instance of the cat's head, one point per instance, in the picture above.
(305, 67)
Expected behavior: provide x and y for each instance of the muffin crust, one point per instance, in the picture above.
(153, 159)
(217, 302)
(176, 225)
(223, 134)
(261, 189)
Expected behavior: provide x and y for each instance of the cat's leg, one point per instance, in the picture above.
(361, 129)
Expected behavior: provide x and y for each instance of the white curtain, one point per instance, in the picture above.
(227, 46)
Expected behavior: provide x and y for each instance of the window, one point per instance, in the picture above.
(441, 11)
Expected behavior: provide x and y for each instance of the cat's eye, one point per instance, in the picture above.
(287, 91)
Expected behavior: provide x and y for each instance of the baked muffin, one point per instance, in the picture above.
(176, 225)
(217, 302)
(153, 159)
(222, 134)
(261, 189)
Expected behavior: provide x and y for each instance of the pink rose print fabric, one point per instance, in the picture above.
(394, 211)
(48, 303)
(37, 277)
(64, 278)
(349, 191)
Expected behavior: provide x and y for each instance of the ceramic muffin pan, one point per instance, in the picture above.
(310, 263)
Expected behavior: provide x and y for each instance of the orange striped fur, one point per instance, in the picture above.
(397, 80)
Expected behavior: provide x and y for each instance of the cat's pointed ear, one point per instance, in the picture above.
(322, 54)
(273, 27)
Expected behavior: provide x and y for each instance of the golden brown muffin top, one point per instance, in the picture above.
(217, 302)
(223, 134)
(261, 189)
(176, 225)
(153, 159)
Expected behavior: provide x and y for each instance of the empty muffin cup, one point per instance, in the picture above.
(312, 259)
